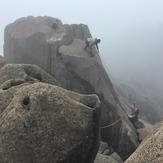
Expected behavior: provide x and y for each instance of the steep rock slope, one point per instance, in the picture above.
(151, 149)
(59, 49)
(41, 122)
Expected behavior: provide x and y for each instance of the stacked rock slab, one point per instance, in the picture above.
(59, 49)
(41, 122)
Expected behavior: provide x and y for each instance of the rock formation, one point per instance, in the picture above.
(107, 155)
(146, 105)
(105, 159)
(143, 127)
(59, 49)
(150, 150)
(41, 122)
(2, 61)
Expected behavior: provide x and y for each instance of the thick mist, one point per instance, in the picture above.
(131, 33)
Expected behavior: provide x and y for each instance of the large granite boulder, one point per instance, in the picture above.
(59, 49)
(41, 122)
(151, 148)
(24, 72)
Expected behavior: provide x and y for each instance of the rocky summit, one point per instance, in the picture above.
(59, 49)
(41, 122)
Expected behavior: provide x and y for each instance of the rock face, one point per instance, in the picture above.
(105, 159)
(41, 122)
(147, 130)
(143, 127)
(59, 49)
(107, 155)
(146, 105)
(2, 61)
(150, 150)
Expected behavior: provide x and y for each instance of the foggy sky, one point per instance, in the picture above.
(131, 30)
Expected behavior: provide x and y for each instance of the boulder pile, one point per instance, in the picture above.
(41, 122)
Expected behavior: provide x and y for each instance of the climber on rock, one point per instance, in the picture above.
(134, 116)
(90, 42)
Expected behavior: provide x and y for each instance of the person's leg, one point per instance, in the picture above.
(86, 45)
(91, 51)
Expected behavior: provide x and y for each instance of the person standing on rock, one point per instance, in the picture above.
(90, 42)
(134, 116)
